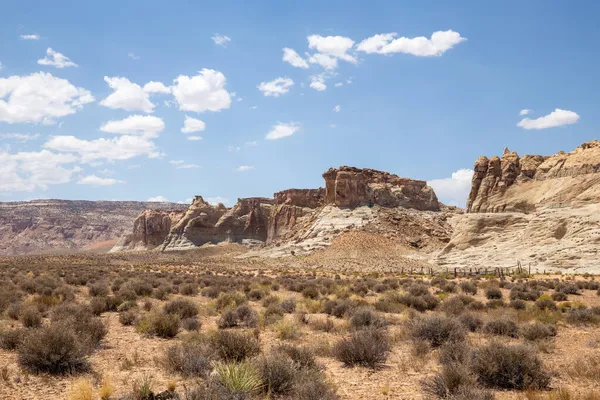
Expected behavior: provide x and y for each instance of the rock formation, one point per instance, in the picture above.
(150, 230)
(41, 226)
(353, 187)
(539, 210)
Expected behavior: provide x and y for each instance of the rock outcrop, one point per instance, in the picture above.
(42, 226)
(353, 187)
(539, 210)
(150, 230)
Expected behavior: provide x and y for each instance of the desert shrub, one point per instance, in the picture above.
(579, 316)
(559, 296)
(381, 288)
(127, 318)
(538, 331)
(436, 329)
(518, 304)
(98, 305)
(390, 303)
(268, 300)
(161, 292)
(256, 294)
(454, 353)
(311, 385)
(188, 289)
(366, 318)
(471, 322)
(82, 389)
(126, 306)
(449, 381)
(10, 339)
(54, 349)
(240, 379)
(420, 303)
(159, 324)
(286, 330)
(476, 306)
(502, 327)
(567, 288)
(366, 347)
(302, 357)
(30, 317)
(277, 373)
(230, 300)
(322, 324)
(453, 306)
(272, 313)
(235, 346)
(506, 366)
(288, 305)
(98, 289)
(89, 329)
(545, 303)
(189, 358)
(141, 288)
(181, 307)
(191, 324)
(244, 315)
(468, 287)
(310, 292)
(13, 310)
(493, 293)
(495, 303)
(142, 388)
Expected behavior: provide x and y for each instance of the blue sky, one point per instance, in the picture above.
(419, 89)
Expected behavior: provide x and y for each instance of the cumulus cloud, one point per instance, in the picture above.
(454, 190)
(158, 199)
(56, 59)
(524, 111)
(290, 56)
(127, 95)
(324, 60)
(244, 168)
(194, 138)
(180, 164)
(27, 171)
(191, 125)
(32, 36)
(156, 87)
(283, 130)
(39, 98)
(388, 43)
(119, 148)
(19, 137)
(221, 40)
(556, 118)
(94, 180)
(334, 46)
(203, 92)
(339, 84)
(133, 56)
(276, 87)
(337, 108)
(146, 125)
(318, 83)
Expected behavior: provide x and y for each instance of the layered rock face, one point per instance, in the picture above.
(539, 210)
(353, 187)
(150, 230)
(42, 226)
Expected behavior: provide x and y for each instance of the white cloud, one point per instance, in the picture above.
(283, 130)
(244, 168)
(324, 60)
(556, 118)
(232, 149)
(339, 84)
(335, 46)
(156, 87)
(180, 164)
(119, 148)
(56, 59)
(145, 125)
(191, 125)
(332, 126)
(290, 56)
(94, 180)
(19, 137)
(337, 108)
(32, 36)
(252, 143)
(387, 43)
(318, 83)
(252, 108)
(127, 96)
(39, 98)
(195, 138)
(158, 199)
(27, 171)
(524, 111)
(133, 56)
(455, 190)
(1, 66)
(216, 200)
(276, 87)
(221, 40)
(203, 92)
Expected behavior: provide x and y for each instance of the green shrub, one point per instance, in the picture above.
(159, 324)
(239, 378)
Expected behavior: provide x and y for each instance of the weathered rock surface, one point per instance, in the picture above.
(353, 187)
(150, 230)
(539, 210)
(41, 226)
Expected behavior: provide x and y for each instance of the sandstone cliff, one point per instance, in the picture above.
(539, 210)
(42, 226)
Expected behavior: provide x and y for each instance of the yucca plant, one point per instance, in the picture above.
(239, 377)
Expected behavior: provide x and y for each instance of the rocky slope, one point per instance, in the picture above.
(41, 226)
(540, 210)
(299, 221)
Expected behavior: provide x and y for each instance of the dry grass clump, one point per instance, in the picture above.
(366, 347)
(159, 324)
